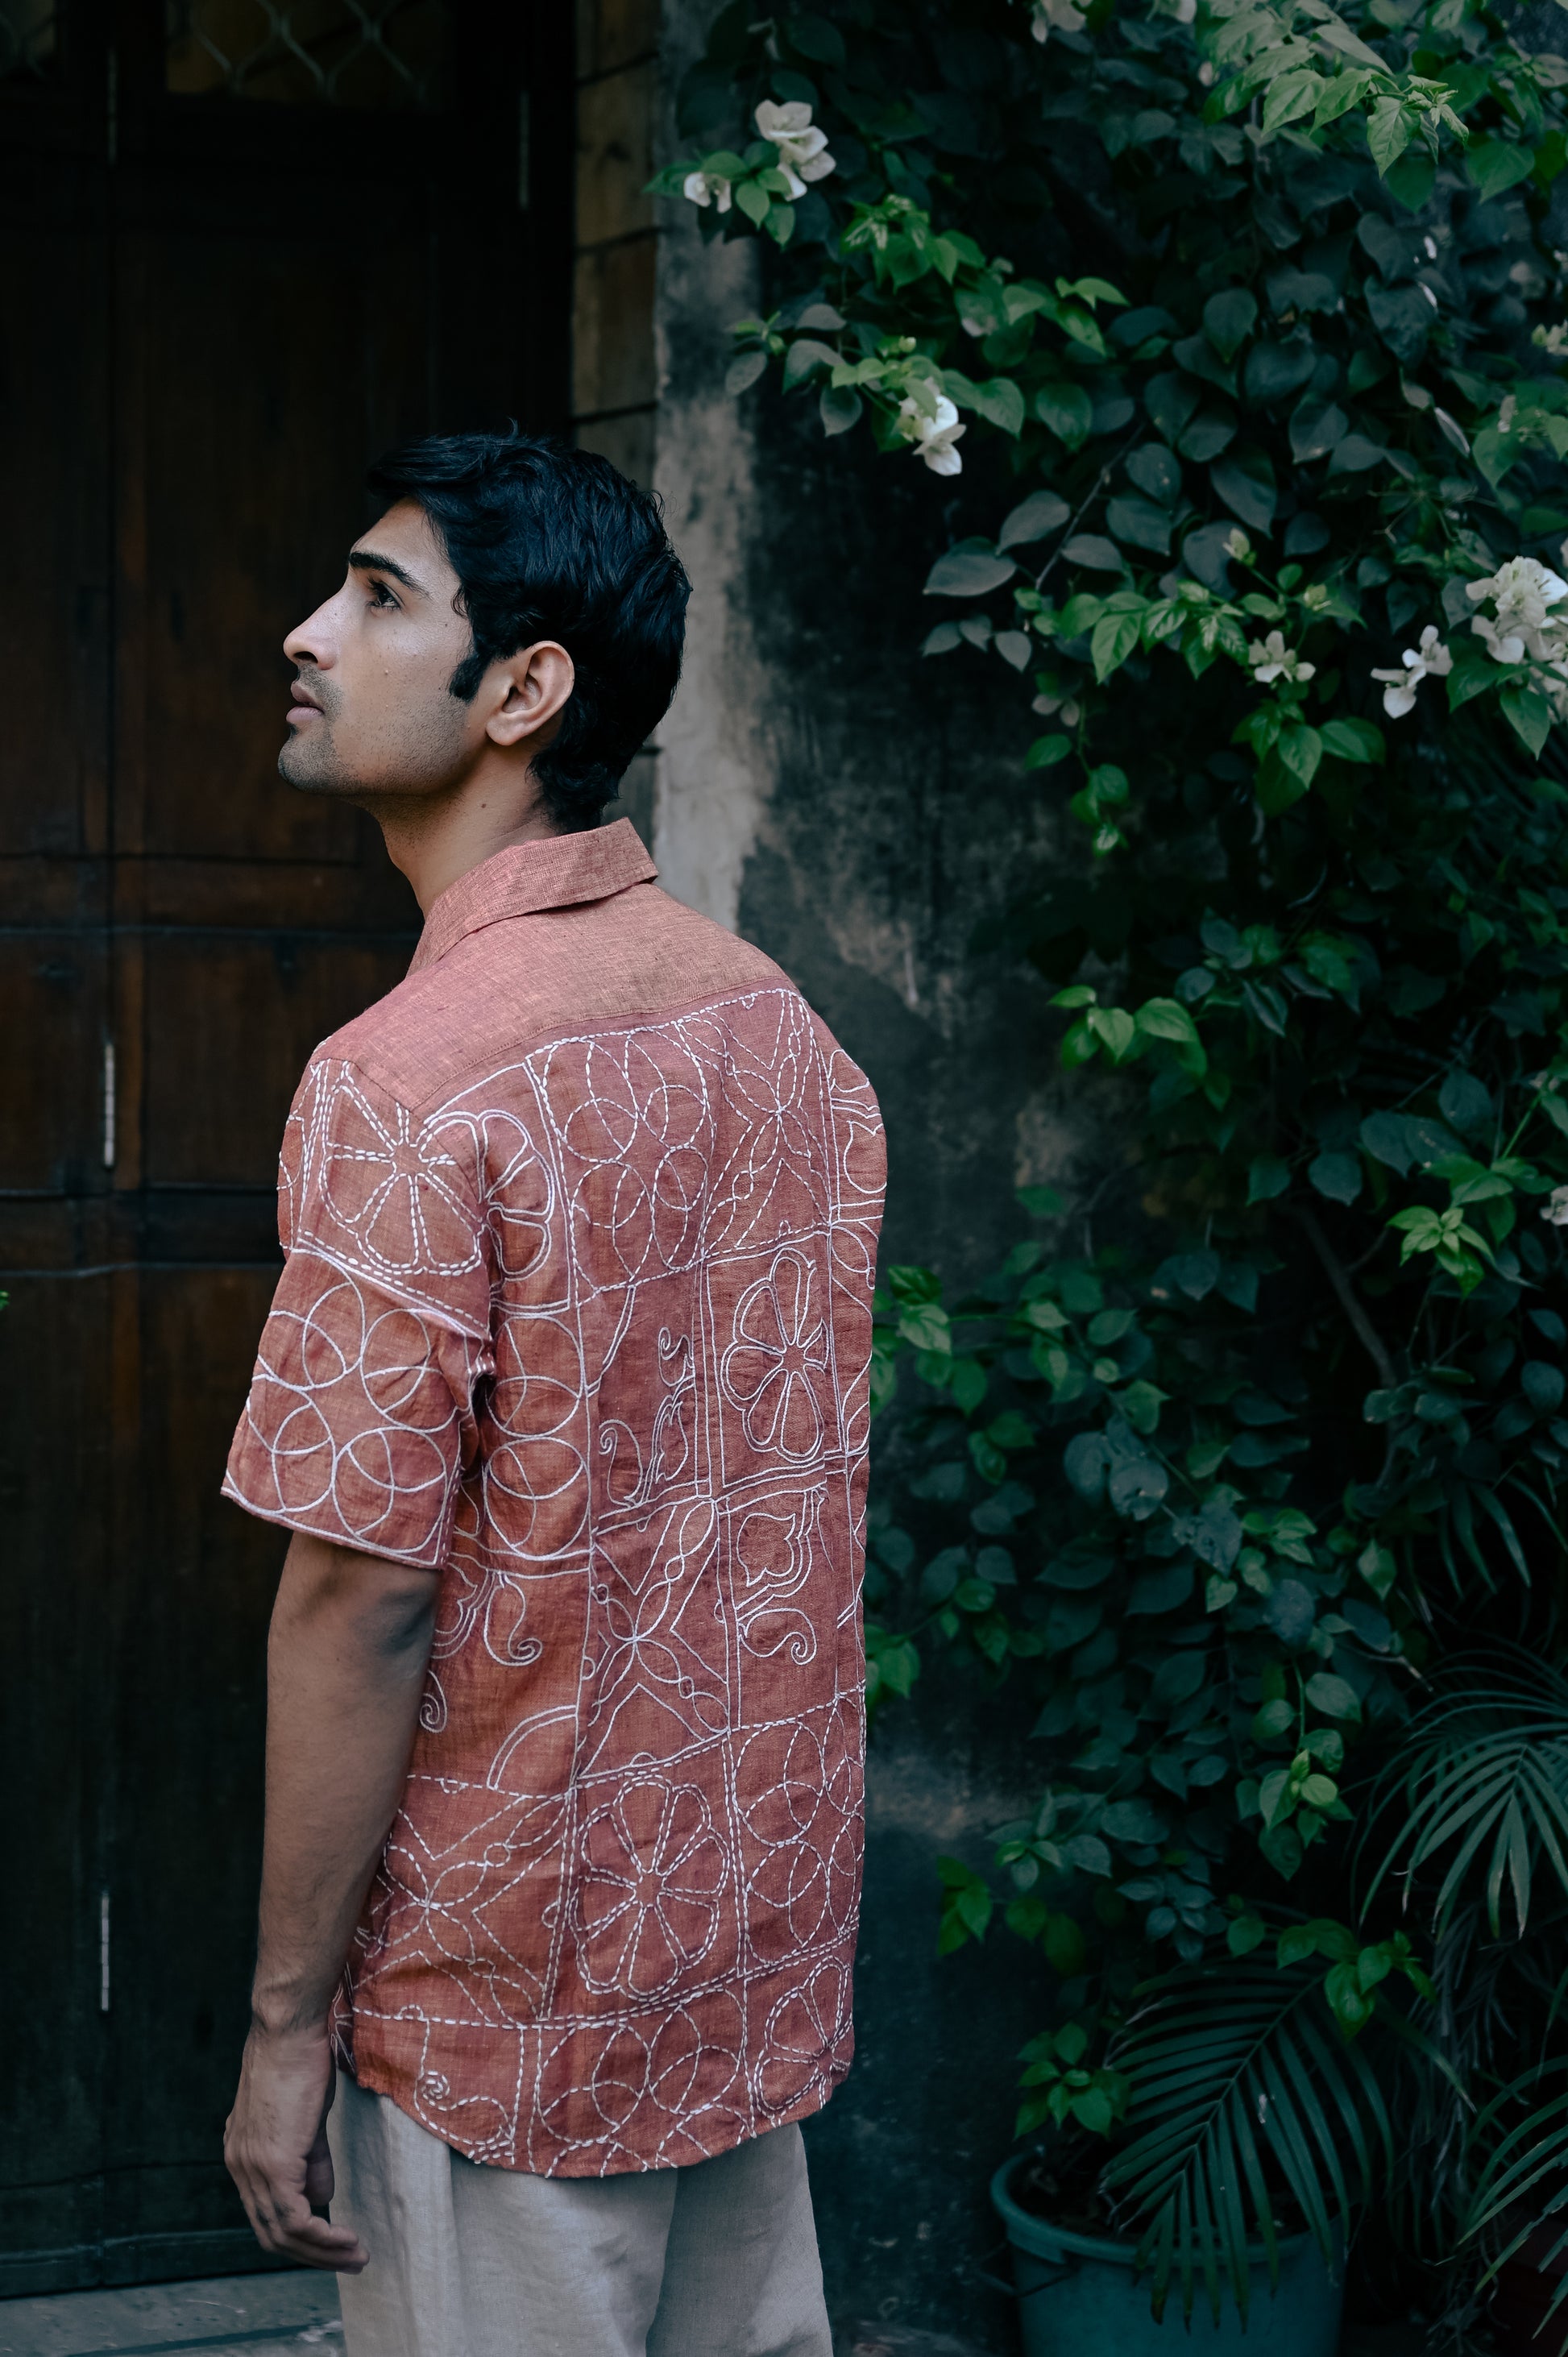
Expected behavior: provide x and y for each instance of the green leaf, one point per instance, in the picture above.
(1115, 1029)
(840, 407)
(1246, 484)
(970, 570)
(1353, 740)
(1236, 2072)
(1166, 1018)
(1066, 410)
(1229, 318)
(1333, 1696)
(1042, 1202)
(1479, 1787)
(1390, 131)
(1140, 525)
(1266, 1178)
(804, 355)
(1043, 512)
(1001, 402)
(1046, 751)
(754, 202)
(1337, 1176)
(1494, 165)
(1529, 715)
(1111, 641)
(1300, 748)
(744, 371)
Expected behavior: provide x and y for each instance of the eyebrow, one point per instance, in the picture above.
(365, 560)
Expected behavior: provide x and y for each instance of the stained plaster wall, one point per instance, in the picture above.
(858, 814)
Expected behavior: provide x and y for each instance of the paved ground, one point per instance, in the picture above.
(290, 2313)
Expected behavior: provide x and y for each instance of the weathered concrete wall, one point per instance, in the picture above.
(858, 814)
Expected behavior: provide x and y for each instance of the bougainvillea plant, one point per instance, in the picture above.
(1261, 308)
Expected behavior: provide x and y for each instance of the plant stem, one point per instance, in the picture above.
(1366, 1332)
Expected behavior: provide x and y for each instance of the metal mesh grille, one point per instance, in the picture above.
(26, 39)
(380, 54)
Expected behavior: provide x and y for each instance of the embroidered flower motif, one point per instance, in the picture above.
(397, 1192)
(802, 147)
(1431, 660)
(654, 1872)
(932, 433)
(780, 1343)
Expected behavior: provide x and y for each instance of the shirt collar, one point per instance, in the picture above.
(556, 871)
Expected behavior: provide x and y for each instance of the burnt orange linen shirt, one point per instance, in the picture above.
(580, 1224)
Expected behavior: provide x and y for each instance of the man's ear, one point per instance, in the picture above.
(533, 685)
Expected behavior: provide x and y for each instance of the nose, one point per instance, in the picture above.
(313, 642)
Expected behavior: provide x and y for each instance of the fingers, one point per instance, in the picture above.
(283, 2224)
(275, 2148)
(320, 2181)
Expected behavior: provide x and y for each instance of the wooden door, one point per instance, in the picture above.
(235, 263)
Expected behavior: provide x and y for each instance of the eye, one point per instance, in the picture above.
(381, 597)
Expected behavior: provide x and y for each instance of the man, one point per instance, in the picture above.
(564, 1396)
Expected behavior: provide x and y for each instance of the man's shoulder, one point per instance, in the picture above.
(523, 982)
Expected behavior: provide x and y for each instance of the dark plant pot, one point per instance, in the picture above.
(1077, 2296)
(1527, 2286)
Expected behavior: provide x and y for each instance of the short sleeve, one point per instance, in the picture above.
(360, 1408)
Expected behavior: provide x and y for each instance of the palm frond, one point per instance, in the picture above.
(1233, 2069)
(1480, 1783)
(1525, 2177)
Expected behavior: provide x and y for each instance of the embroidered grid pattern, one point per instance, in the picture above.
(593, 1335)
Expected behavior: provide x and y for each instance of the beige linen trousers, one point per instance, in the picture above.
(715, 2259)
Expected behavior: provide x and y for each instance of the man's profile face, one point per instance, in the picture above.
(372, 713)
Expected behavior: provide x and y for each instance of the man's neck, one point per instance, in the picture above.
(435, 839)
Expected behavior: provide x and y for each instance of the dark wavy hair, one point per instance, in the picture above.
(553, 542)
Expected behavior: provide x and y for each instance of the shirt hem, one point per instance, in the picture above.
(289, 1520)
(368, 2073)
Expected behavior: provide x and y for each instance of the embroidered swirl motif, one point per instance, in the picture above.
(592, 1334)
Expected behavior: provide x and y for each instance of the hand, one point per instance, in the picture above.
(276, 2147)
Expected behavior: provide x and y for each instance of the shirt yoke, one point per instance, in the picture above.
(523, 980)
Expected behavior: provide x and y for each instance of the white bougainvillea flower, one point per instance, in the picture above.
(1553, 342)
(802, 147)
(933, 436)
(1555, 1207)
(1048, 17)
(708, 188)
(1066, 706)
(1431, 660)
(1523, 591)
(1271, 659)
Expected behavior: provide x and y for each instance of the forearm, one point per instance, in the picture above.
(346, 1664)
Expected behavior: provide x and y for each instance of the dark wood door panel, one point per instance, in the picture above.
(203, 344)
(238, 515)
(54, 1012)
(199, 1578)
(54, 454)
(231, 1020)
(56, 1638)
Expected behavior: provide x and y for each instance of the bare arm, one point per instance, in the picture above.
(346, 1662)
